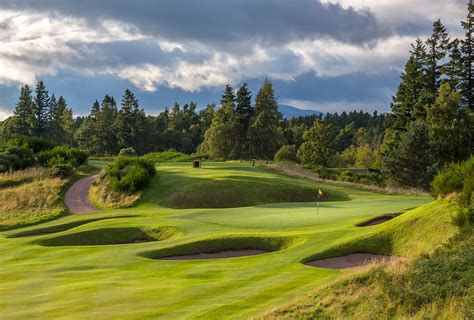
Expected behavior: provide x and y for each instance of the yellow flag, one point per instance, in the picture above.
(320, 192)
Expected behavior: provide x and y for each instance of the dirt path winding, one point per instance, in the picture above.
(77, 197)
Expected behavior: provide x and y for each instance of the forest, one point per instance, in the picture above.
(430, 124)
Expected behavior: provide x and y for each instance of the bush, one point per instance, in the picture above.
(35, 144)
(456, 178)
(62, 155)
(127, 152)
(16, 158)
(171, 156)
(286, 153)
(129, 174)
(61, 171)
(346, 176)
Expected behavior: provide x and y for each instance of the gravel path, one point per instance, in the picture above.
(77, 197)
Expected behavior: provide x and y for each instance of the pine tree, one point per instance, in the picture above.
(125, 122)
(55, 130)
(23, 113)
(243, 115)
(467, 48)
(454, 66)
(40, 110)
(407, 103)
(66, 120)
(451, 127)
(105, 136)
(220, 138)
(409, 161)
(265, 135)
(437, 49)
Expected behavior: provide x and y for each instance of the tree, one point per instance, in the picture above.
(55, 129)
(220, 138)
(451, 127)
(265, 135)
(23, 114)
(316, 149)
(66, 120)
(40, 110)
(437, 48)
(407, 160)
(467, 49)
(243, 114)
(407, 103)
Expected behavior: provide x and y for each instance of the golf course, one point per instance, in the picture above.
(224, 240)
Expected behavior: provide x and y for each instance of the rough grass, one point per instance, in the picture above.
(295, 170)
(107, 236)
(102, 197)
(440, 286)
(15, 178)
(31, 202)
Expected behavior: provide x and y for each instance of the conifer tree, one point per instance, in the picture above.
(265, 135)
(437, 49)
(467, 48)
(23, 114)
(243, 116)
(407, 103)
(40, 110)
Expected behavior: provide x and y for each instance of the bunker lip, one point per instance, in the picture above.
(225, 247)
(110, 236)
(217, 255)
(378, 220)
(352, 261)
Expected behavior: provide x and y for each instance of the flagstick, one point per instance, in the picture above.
(317, 207)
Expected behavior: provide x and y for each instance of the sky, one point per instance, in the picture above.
(325, 55)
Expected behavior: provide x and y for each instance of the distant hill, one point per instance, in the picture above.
(291, 112)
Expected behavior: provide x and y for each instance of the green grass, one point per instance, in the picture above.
(74, 279)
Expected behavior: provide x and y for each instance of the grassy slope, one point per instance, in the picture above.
(435, 286)
(117, 281)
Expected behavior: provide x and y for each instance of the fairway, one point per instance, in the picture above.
(105, 265)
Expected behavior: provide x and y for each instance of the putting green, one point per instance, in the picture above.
(119, 281)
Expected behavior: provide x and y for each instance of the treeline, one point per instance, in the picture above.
(431, 123)
(432, 120)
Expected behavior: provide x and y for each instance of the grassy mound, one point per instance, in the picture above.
(241, 193)
(435, 287)
(417, 232)
(224, 244)
(59, 227)
(106, 236)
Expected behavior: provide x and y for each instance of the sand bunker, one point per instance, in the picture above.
(217, 255)
(377, 220)
(351, 261)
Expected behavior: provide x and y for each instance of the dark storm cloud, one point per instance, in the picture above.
(221, 22)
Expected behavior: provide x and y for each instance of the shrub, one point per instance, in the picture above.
(16, 158)
(127, 152)
(346, 176)
(170, 156)
(61, 171)
(129, 174)
(286, 153)
(35, 144)
(63, 155)
(455, 178)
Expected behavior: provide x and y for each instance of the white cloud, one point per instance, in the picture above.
(4, 114)
(36, 43)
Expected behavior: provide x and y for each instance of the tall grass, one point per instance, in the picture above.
(31, 202)
(295, 170)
